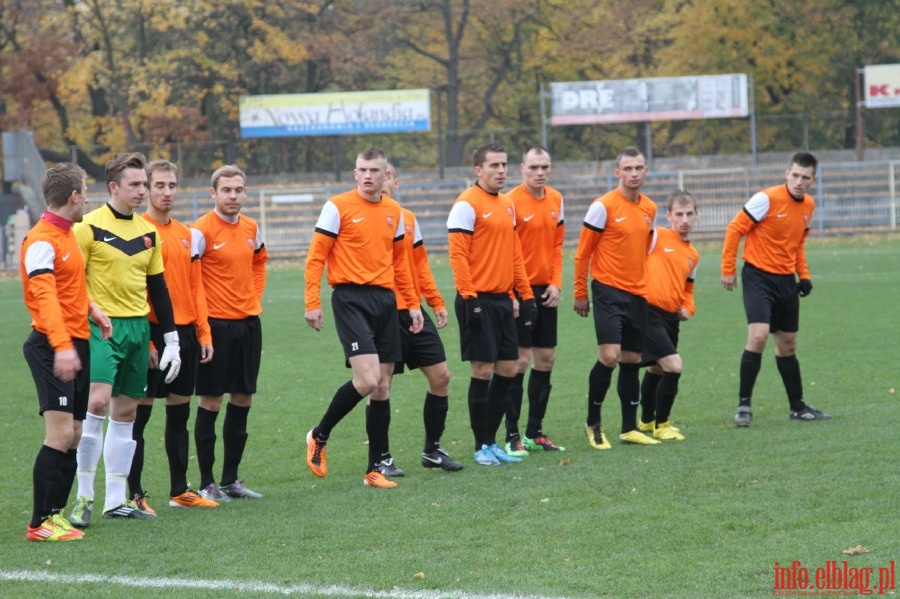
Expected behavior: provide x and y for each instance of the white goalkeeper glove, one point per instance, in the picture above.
(171, 356)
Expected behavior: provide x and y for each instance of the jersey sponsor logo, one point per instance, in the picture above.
(781, 215)
(620, 219)
(668, 250)
(486, 214)
(217, 246)
(357, 220)
(527, 218)
(66, 257)
(108, 239)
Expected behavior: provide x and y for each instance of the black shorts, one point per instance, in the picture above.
(662, 335)
(543, 332)
(189, 349)
(54, 394)
(237, 351)
(425, 348)
(620, 318)
(365, 317)
(496, 338)
(771, 299)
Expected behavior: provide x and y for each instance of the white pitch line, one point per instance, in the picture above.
(247, 586)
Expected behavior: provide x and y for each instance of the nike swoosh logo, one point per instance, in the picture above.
(621, 218)
(486, 214)
(218, 245)
(780, 215)
(108, 239)
(66, 257)
(432, 460)
(636, 403)
(356, 220)
(668, 250)
(528, 218)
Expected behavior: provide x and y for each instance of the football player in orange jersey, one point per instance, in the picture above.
(775, 222)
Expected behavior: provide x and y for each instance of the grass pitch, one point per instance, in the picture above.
(706, 517)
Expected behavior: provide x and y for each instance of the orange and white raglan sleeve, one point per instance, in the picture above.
(327, 228)
(422, 268)
(556, 264)
(460, 229)
(40, 284)
(591, 230)
(198, 292)
(403, 282)
(260, 257)
(520, 274)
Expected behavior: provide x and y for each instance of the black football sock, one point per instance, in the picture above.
(177, 440)
(386, 449)
(478, 410)
(234, 440)
(45, 478)
(538, 395)
(137, 462)
(434, 414)
(498, 399)
(598, 384)
(67, 469)
(205, 441)
(648, 396)
(514, 407)
(378, 420)
(629, 388)
(343, 402)
(751, 362)
(789, 368)
(665, 395)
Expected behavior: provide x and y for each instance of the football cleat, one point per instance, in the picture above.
(486, 457)
(744, 416)
(81, 512)
(501, 455)
(213, 493)
(127, 510)
(515, 448)
(440, 459)
(191, 499)
(51, 531)
(237, 490)
(389, 468)
(315, 456)
(141, 502)
(376, 479)
(665, 431)
(596, 437)
(635, 437)
(541, 443)
(809, 413)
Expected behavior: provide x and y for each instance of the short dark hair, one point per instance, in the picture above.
(229, 170)
(536, 148)
(60, 181)
(118, 163)
(481, 152)
(681, 196)
(373, 153)
(161, 165)
(631, 152)
(393, 169)
(805, 160)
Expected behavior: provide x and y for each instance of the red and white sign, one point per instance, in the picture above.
(882, 85)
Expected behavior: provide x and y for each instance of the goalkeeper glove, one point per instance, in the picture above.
(171, 356)
(473, 313)
(804, 287)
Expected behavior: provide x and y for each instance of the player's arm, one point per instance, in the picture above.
(556, 264)
(327, 229)
(756, 209)
(460, 230)
(162, 305)
(403, 277)
(588, 239)
(198, 296)
(260, 257)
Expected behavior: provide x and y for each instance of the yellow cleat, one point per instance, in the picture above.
(646, 427)
(665, 431)
(596, 437)
(636, 437)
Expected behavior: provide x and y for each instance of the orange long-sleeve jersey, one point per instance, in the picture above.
(417, 256)
(183, 275)
(671, 270)
(233, 264)
(485, 252)
(540, 224)
(54, 282)
(613, 244)
(776, 226)
(362, 242)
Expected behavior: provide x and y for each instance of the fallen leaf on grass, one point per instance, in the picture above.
(565, 461)
(545, 500)
(855, 550)
(420, 575)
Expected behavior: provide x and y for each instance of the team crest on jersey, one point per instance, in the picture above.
(148, 243)
(690, 263)
(553, 214)
(409, 229)
(185, 243)
(390, 222)
(250, 242)
(648, 221)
